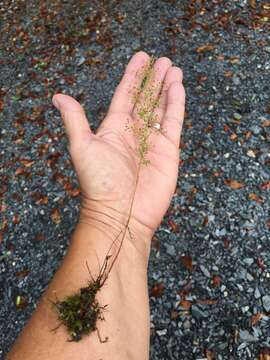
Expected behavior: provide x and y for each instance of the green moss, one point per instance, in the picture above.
(79, 312)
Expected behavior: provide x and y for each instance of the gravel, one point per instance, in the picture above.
(210, 256)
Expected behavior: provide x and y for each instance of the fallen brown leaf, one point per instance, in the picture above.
(27, 163)
(157, 290)
(216, 280)
(56, 217)
(234, 184)
(39, 237)
(265, 355)
(266, 123)
(174, 315)
(185, 304)
(209, 355)
(233, 136)
(253, 3)
(22, 274)
(39, 198)
(16, 219)
(204, 48)
(74, 192)
(266, 185)
(255, 318)
(254, 197)
(186, 260)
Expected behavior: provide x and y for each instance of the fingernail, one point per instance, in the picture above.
(56, 103)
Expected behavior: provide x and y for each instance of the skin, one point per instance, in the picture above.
(107, 167)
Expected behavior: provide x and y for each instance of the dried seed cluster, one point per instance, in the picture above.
(145, 107)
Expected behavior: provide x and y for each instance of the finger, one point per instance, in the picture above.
(147, 100)
(173, 74)
(174, 114)
(73, 116)
(123, 99)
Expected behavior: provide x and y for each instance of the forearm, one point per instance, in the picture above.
(125, 293)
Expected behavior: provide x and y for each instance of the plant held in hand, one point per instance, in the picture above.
(138, 140)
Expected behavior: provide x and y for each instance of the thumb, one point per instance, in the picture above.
(73, 116)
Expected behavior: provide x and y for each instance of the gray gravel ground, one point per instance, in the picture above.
(209, 270)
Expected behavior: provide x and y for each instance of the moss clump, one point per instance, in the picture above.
(79, 312)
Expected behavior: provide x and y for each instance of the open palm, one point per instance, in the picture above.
(107, 162)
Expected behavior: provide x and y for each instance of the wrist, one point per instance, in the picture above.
(105, 228)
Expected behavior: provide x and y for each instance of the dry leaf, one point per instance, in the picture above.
(209, 355)
(39, 198)
(19, 171)
(174, 315)
(22, 274)
(235, 185)
(260, 263)
(255, 318)
(16, 219)
(216, 280)
(3, 207)
(186, 260)
(173, 226)
(27, 163)
(74, 192)
(266, 185)
(266, 123)
(185, 304)
(228, 73)
(233, 136)
(39, 237)
(265, 355)
(255, 197)
(205, 48)
(56, 217)
(157, 290)
(252, 3)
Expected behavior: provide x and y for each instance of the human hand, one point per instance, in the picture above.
(107, 162)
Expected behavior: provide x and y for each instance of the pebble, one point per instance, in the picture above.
(170, 250)
(237, 116)
(161, 332)
(257, 293)
(205, 271)
(247, 337)
(256, 129)
(198, 313)
(249, 261)
(251, 153)
(222, 288)
(266, 302)
(236, 80)
(187, 325)
(81, 60)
